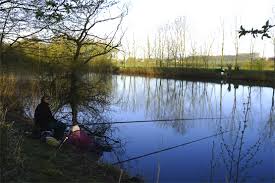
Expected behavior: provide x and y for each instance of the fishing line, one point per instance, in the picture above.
(154, 120)
(169, 148)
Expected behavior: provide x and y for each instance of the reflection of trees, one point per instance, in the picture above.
(167, 99)
(271, 118)
(175, 99)
(237, 155)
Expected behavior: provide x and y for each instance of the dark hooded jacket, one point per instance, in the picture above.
(43, 116)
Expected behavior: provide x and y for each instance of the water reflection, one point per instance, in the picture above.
(244, 154)
(271, 120)
(237, 156)
(166, 99)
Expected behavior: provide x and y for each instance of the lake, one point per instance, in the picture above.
(207, 132)
(244, 119)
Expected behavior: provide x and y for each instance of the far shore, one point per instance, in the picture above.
(240, 77)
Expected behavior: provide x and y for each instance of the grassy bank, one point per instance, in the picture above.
(199, 63)
(28, 160)
(251, 77)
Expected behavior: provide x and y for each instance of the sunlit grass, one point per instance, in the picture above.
(8, 97)
(7, 85)
(243, 65)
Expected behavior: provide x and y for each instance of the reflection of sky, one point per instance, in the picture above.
(191, 162)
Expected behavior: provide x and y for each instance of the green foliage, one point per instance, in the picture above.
(8, 98)
(58, 53)
(63, 31)
(102, 64)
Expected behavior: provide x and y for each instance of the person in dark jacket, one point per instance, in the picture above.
(45, 121)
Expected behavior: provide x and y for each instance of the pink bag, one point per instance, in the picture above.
(80, 139)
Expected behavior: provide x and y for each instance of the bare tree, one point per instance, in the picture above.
(236, 44)
(222, 46)
(14, 22)
(160, 46)
(206, 53)
(128, 49)
(134, 49)
(79, 25)
(149, 52)
(124, 52)
(21, 19)
(194, 54)
(251, 52)
(180, 24)
(273, 36)
(83, 24)
(174, 42)
(167, 42)
(274, 52)
(155, 49)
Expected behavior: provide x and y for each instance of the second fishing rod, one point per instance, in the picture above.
(153, 120)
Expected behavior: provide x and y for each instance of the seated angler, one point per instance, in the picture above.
(45, 121)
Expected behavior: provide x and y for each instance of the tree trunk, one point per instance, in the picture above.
(73, 96)
(1, 56)
(1, 51)
(274, 54)
(272, 103)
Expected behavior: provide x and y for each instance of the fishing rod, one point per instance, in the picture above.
(169, 148)
(154, 120)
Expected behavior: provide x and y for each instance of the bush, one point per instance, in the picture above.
(11, 157)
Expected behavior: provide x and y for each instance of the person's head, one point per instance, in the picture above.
(45, 99)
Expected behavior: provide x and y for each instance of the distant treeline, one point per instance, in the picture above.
(58, 53)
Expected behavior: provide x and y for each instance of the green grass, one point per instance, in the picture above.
(260, 72)
(199, 64)
(43, 162)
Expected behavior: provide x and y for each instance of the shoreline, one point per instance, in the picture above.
(43, 162)
(241, 77)
(264, 78)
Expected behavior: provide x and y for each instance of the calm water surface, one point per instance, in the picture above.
(245, 153)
